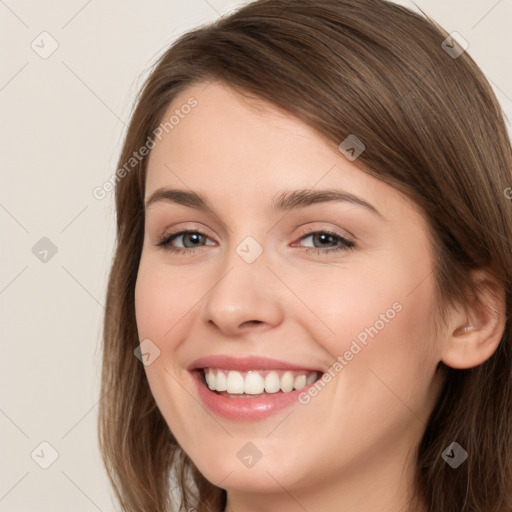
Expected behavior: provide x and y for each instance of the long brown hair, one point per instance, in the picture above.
(432, 128)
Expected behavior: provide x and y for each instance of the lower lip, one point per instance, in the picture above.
(244, 409)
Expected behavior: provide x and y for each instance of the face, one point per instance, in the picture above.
(265, 291)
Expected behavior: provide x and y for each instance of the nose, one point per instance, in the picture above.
(243, 297)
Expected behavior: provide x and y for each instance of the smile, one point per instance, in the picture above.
(249, 388)
(256, 382)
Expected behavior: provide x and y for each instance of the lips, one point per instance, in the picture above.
(245, 364)
(249, 388)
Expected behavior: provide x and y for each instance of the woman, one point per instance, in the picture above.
(309, 305)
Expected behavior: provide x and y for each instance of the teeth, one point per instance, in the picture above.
(311, 379)
(272, 383)
(210, 378)
(300, 382)
(287, 382)
(256, 382)
(235, 383)
(221, 383)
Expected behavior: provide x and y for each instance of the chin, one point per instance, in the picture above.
(230, 473)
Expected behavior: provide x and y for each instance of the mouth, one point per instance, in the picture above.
(250, 388)
(256, 383)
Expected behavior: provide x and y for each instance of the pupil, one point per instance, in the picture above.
(324, 237)
(194, 238)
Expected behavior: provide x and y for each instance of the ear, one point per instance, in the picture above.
(475, 333)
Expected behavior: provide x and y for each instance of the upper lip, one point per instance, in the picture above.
(245, 363)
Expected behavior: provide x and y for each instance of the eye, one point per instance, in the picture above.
(188, 237)
(323, 238)
(191, 241)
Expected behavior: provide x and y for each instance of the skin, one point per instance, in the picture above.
(352, 446)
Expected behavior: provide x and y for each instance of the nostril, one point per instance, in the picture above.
(252, 322)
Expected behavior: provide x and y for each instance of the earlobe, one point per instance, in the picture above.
(476, 332)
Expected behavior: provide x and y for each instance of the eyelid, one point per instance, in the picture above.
(333, 231)
(168, 236)
(186, 227)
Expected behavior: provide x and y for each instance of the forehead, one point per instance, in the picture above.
(229, 147)
(228, 130)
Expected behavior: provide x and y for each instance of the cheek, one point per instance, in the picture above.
(163, 297)
(376, 316)
(343, 302)
(385, 379)
(150, 297)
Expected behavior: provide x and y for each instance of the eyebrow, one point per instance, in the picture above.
(283, 202)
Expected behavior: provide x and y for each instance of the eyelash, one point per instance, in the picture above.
(165, 242)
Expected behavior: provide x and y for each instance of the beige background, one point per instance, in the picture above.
(62, 122)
